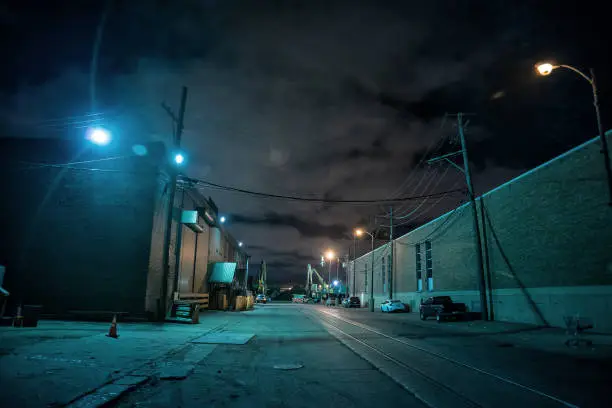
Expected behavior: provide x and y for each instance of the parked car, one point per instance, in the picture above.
(299, 299)
(391, 306)
(440, 306)
(352, 301)
(261, 299)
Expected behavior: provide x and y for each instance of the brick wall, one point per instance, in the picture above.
(76, 239)
(548, 238)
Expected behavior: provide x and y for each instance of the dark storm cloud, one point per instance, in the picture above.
(305, 228)
(335, 99)
(293, 255)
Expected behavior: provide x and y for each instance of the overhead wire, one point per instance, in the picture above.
(409, 216)
(402, 207)
(312, 199)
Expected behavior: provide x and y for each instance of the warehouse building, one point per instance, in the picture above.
(82, 229)
(547, 248)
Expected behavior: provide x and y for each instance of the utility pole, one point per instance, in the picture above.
(391, 253)
(178, 122)
(477, 238)
(337, 268)
(354, 264)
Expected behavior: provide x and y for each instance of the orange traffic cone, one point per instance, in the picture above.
(112, 332)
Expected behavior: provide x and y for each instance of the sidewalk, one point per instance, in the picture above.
(549, 339)
(56, 362)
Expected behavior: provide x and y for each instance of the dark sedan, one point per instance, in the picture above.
(353, 301)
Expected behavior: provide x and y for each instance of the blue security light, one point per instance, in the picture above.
(99, 136)
(335, 283)
(222, 219)
(240, 244)
(179, 158)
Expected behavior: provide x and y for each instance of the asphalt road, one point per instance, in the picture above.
(487, 370)
(312, 356)
(292, 361)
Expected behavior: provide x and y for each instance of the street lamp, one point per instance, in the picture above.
(99, 136)
(240, 244)
(330, 257)
(222, 219)
(359, 232)
(179, 158)
(546, 68)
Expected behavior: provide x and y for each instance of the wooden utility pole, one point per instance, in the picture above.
(178, 122)
(477, 239)
(476, 229)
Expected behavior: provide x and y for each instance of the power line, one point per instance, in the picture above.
(406, 215)
(311, 199)
(407, 218)
(399, 190)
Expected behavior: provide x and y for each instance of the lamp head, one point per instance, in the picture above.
(544, 68)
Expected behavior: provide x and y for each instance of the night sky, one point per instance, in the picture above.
(322, 99)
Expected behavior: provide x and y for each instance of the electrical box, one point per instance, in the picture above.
(190, 219)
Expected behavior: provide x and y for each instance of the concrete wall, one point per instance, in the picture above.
(76, 238)
(548, 240)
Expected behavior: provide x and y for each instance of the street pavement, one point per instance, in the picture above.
(482, 361)
(292, 361)
(289, 355)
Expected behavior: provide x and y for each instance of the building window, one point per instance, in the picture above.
(365, 280)
(419, 276)
(429, 266)
(382, 272)
(389, 268)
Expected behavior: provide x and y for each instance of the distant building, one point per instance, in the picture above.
(88, 237)
(548, 248)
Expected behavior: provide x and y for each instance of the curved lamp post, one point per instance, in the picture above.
(546, 68)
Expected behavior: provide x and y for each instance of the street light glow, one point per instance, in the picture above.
(179, 158)
(335, 283)
(240, 244)
(222, 219)
(358, 232)
(545, 68)
(330, 255)
(99, 136)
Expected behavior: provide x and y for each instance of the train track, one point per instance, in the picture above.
(434, 378)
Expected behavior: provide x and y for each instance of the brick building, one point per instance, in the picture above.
(547, 246)
(89, 237)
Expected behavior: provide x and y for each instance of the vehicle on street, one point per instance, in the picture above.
(261, 299)
(299, 299)
(392, 306)
(440, 307)
(352, 301)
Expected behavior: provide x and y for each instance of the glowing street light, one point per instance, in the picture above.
(222, 219)
(335, 283)
(358, 232)
(99, 136)
(546, 68)
(330, 255)
(179, 158)
(240, 244)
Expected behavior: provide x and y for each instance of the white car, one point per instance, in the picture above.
(390, 306)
